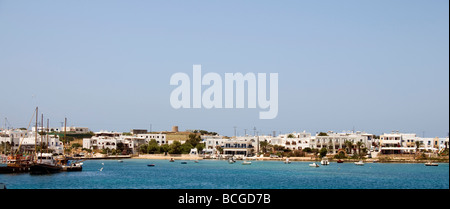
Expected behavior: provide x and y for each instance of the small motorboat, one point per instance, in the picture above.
(151, 165)
(359, 163)
(287, 161)
(120, 161)
(324, 161)
(183, 162)
(196, 161)
(431, 164)
(340, 161)
(246, 162)
(314, 165)
(171, 160)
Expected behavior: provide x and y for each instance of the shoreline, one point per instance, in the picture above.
(291, 159)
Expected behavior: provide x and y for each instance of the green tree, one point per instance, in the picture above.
(322, 134)
(120, 147)
(290, 136)
(359, 145)
(165, 148)
(153, 147)
(348, 146)
(307, 149)
(220, 149)
(340, 155)
(200, 147)
(323, 152)
(194, 139)
(175, 148)
(264, 145)
(143, 149)
(186, 148)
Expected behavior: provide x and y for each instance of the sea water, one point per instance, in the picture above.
(219, 174)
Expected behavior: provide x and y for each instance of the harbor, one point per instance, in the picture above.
(219, 174)
(143, 159)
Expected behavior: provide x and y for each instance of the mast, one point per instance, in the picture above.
(35, 134)
(48, 129)
(42, 132)
(65, 140)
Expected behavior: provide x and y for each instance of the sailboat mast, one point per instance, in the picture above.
(65, 140)
(42, 132)
(35, 134)
(48, 129)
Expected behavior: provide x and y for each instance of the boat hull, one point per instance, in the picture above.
(431, 164)
(44, 169)
(72, 168)
(9, 169)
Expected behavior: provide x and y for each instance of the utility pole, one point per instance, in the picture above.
(235, 131)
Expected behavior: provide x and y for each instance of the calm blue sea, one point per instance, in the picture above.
(215, 174)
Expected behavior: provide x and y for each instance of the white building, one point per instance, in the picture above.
(292, 141)
(160, 138)
(102, 140)
(404, 143)
(110, 140)
(239, 146)
(337, 141)
(27, 140)
(71, 129)
(398, 143)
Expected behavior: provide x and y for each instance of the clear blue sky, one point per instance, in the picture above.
(376, 66)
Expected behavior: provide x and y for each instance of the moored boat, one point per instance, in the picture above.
(16, 164)
(431, 164)
(42, 168)
(361, 163)
(314, 165)
(246, 162)
(324, 161)
(45, 164)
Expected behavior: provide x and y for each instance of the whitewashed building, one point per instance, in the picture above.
(336, 141)
(71, 129)
(160, 138)
(292, 141)
(27, 140)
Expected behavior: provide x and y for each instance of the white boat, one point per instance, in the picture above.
(359, 163)
(287, 161)
(324, 161)
(314, 165)
(246, 162)
(431, 164)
